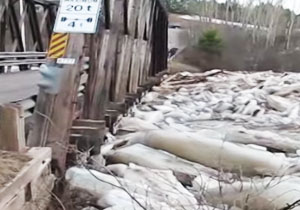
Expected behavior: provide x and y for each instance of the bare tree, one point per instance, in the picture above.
(291, 26)
(257, 21)
(274, 13)
(228, 4)
(216, 10)
(247, 10)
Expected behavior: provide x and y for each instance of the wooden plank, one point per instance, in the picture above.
(96, 82)
(12, 128)
(96, 45)
(89, 123)
(53, 114)
(125, 45)
(127, 66)
(40, 189)
(123, 66)
(147, 62)
(139, 46)
(117, 44)
(135, 66)
(166, 36)
(40, 159)
(85, 130)
(142, 18)
(116, 81)
(156, 37)
(151, 39)
(142, 57)
(2, 11)
(17, 202)
(36, 194)
(133, 11)
(122, 69)
(111, 9)
(144, 7)
(149, 15)
(149, 34)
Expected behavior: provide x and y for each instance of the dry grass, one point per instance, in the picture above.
(72, 199)
(11, 164)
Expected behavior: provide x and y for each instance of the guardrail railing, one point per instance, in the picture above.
(22, 60)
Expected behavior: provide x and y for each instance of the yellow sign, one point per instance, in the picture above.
(58, 45)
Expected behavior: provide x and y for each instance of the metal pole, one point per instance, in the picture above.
(23, 24)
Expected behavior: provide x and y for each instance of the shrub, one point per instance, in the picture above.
(211, 42)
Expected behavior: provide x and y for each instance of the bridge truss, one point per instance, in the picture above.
(26, 25)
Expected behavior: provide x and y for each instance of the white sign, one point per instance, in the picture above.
(77, 16)
(69, 61)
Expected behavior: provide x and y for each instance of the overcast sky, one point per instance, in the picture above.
(290, 4)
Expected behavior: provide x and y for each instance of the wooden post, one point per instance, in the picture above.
(53, 114)
(142, 36)
(134, 72)
(96, 85)
(12, 128)
(122, 71)
(134, 31)
(157, 41)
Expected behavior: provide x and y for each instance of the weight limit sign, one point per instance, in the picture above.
(78, 16)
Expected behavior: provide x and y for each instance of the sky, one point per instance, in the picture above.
(288, 4)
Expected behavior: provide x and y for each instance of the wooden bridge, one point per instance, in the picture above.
(113, 68)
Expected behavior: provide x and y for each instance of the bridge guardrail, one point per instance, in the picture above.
(19, 58)
(24, 60)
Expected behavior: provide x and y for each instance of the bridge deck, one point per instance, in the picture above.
(18, 86)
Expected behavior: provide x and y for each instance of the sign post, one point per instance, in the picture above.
(55, 108)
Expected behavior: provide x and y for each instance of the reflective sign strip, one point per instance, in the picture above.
(58, 45)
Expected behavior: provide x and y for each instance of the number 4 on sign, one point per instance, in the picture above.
(72, 24)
